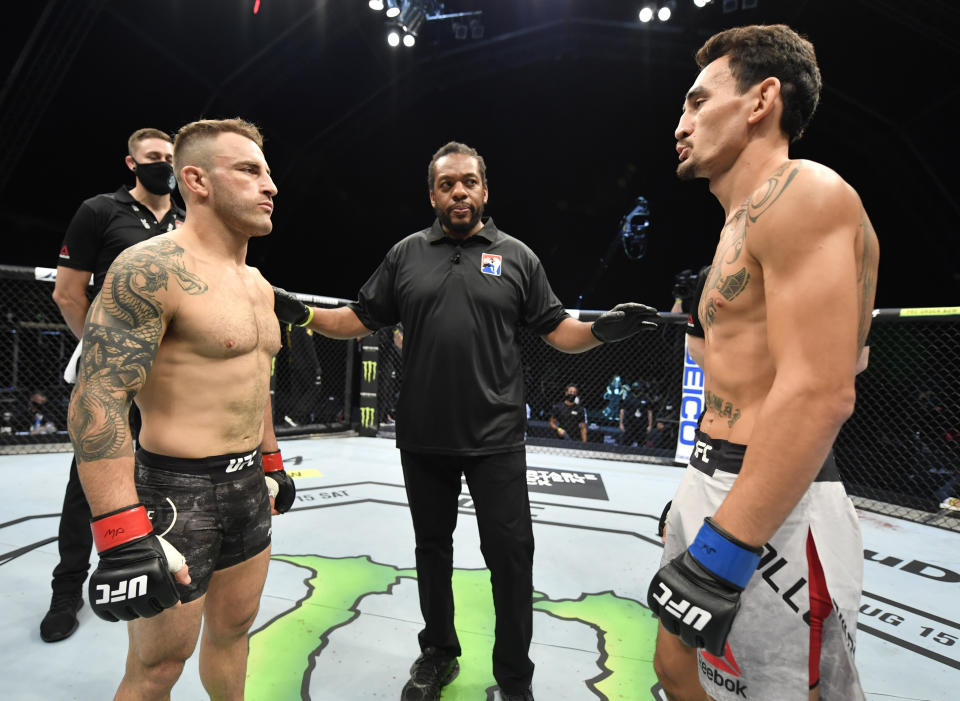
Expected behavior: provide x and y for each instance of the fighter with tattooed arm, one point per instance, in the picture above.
(187, 328)
(786, 309)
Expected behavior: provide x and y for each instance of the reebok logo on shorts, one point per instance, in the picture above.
(723, 671)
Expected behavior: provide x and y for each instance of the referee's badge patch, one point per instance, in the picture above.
(491, 264)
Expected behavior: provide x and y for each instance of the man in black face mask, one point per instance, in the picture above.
(568, 418)
(103, 226)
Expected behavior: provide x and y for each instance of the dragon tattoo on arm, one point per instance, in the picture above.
(120, 341)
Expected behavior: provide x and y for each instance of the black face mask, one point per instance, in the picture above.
(571, 397)
(156, 177)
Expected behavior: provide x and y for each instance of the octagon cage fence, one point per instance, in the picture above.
(899, 454)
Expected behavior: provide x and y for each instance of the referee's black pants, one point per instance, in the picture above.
(75, 539)
(498, 488)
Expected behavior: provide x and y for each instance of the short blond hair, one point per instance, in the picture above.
(205, 129)
(146, 133)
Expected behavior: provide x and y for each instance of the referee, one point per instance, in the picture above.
(463, 289)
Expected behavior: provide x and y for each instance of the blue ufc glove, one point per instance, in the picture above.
(697, 594)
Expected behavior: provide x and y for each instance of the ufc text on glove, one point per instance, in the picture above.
(132, 579)
(697, 594)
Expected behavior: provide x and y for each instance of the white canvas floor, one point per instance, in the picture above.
(339, 615)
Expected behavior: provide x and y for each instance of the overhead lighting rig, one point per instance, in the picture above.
(406, 18)
(663, 11)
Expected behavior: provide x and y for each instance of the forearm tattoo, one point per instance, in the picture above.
(120, 341)
(723, 407)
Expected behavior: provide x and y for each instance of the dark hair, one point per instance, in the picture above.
(758, 52)
(455, 147)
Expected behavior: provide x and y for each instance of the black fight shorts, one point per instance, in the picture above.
(216, 510)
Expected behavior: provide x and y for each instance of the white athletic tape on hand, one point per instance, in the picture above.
(272, 486)
(175, 558)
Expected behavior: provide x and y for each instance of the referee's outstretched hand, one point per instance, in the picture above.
(623, 321)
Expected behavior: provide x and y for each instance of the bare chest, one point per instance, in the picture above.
(734, 288)
(232, 318)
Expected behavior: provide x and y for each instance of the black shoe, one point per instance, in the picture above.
(61, 619)
(431, 672)
(521, 696)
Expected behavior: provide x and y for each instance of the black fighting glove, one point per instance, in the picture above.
(697, 594)
(289, 309)
(133, 578)
(282, 488)
(623, 321)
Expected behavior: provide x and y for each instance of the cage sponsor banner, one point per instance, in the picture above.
(930, 311)
(691, 404)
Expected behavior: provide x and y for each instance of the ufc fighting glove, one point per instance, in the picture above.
(279, 483)
(697, 594)
(133, 578)
(623, 321)
(289, 309)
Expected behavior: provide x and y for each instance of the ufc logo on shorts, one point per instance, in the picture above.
(126, 589)
(701, 449)
(693, 616)
(237, 464)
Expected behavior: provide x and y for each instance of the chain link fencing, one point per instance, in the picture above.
(899, 454)
(312, 386)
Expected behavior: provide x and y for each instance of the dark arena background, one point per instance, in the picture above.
(573, 104)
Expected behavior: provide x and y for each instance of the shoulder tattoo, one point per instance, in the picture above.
(120, 341)
(725, 276)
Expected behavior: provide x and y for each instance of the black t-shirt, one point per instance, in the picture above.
(694, 327)
(462, 304)
(106, 225)
(634, 408)
(569, 417)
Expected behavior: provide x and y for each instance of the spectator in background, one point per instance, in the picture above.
(636, 417)
(613, 395)
(568, 418)
(38, 415)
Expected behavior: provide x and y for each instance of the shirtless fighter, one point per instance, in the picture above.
(185, 326)
(761, 573)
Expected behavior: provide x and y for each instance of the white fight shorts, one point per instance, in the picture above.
(768, 652)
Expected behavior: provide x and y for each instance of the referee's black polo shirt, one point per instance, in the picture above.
(105, 226)
(462, 304)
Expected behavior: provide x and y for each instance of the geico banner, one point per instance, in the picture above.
(691, 404)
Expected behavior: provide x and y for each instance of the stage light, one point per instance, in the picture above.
(393, 9)
(646, 14)
(393, 38)
(412, 17)
(702, 3)
(663, 14)
(375, 5)
(409, 40)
